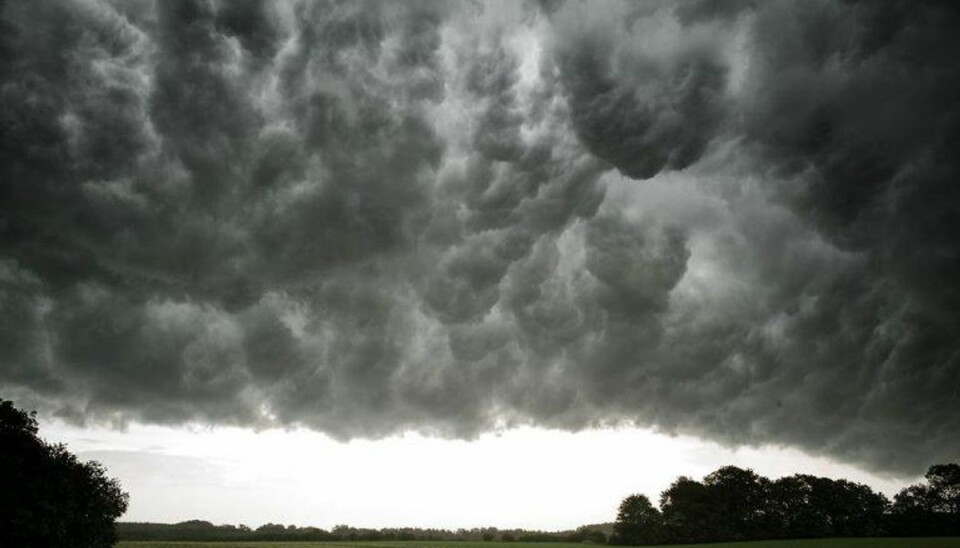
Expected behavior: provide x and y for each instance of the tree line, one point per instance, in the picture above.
(734, 504)
(199, 531)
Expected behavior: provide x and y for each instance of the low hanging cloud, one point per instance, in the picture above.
(732, 220)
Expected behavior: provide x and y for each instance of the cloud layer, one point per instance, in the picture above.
(735, 220)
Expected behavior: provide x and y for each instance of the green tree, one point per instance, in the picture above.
(792, 508)
(595, 536)
(808, 506)
(50, 498)
(739, 500)
(944, 480)
(931, 509)
(688, 514)
(587, 534)
(638, 522)
(855, 509)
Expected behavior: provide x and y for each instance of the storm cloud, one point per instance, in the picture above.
(734, 220)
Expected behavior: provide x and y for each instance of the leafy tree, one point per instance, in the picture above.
(932, 509)
(730, 504)
(50, 498)
(808, 506)
(688, 513)
(736, 504)
(594, 536)
(792, 511)
(739, 499)
(854, 508)
(586, 533)
(944, 480)
(638, 522)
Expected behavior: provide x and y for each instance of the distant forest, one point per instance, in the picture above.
(727, 505)
(197, 530)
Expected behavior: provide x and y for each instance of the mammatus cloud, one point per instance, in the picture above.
(735, 220)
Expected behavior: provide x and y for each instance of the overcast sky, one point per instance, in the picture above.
(428, 222)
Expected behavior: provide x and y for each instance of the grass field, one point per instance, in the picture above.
(943, 542)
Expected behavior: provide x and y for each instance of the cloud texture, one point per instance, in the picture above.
(730, 219)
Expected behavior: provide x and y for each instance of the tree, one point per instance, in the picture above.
(944, 480)
(595, 536)
(587, 534)
(808, 506)
(50, 498)
(739, 501)
(932, 509)
(854, 508)
(792, 508)
(638, 522)
(688, 515)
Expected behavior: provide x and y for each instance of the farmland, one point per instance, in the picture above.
(939, 542)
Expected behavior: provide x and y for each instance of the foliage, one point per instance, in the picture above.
(733, 504)
(638, 522)
(944, 480)
(687, 511)
(588, 534)
(51, 498)
(346, 544)
(202, 531)
(740, 501)
(810, 543)
(931, 509)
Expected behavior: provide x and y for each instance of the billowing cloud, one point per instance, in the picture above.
(734, 220)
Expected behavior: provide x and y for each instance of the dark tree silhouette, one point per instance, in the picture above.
(638, 522)
(737, 504)
(931, 509)
(739, 499)
(50, 499)
(944, 480)
(794, 510)
(855, 510)
(688, 514)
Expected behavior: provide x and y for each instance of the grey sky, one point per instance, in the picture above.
(732, 220)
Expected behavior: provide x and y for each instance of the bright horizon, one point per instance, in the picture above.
(525, 478)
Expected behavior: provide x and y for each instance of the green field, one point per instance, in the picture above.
(943, 542)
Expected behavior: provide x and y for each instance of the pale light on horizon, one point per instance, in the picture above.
(529, 478)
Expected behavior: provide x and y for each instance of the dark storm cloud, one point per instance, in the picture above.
(641, 109)
(735, 220)
(860, 116)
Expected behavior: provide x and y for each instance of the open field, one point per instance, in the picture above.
(942, 542)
